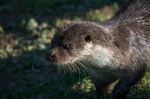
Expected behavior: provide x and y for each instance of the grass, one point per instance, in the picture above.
(24, 74)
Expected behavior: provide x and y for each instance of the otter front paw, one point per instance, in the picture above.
(120, 91)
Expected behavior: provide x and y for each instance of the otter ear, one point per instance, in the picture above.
(88, 38)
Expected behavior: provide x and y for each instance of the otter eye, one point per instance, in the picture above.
(87, 38)
(67, 46)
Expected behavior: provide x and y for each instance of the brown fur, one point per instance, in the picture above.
(123, 43)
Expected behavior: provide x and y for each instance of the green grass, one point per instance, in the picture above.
(24, 74)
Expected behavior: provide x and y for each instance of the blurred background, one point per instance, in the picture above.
(26, 29)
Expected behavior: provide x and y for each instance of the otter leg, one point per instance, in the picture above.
(102, 85)
(123, 86)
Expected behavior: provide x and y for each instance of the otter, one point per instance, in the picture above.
(115, 51)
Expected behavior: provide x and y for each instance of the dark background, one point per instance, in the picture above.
(26, 29)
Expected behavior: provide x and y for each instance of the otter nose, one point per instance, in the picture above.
(50, 56)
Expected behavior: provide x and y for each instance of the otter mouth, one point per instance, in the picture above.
(70, 64)
(75, 67)
(68, 61)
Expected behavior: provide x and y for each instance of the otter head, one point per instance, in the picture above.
(79, 42)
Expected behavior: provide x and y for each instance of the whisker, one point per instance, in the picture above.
(74, 68)
(67, 68)
(82, 68)
(59, 68)
(85, 64)
(78, 70)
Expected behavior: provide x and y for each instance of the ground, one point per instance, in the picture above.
(24, 74)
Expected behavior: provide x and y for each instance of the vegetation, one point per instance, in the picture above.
(26, 28)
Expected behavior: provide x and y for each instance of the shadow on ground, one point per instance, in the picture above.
(28, 76)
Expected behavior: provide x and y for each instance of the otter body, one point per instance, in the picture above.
(117, 50)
